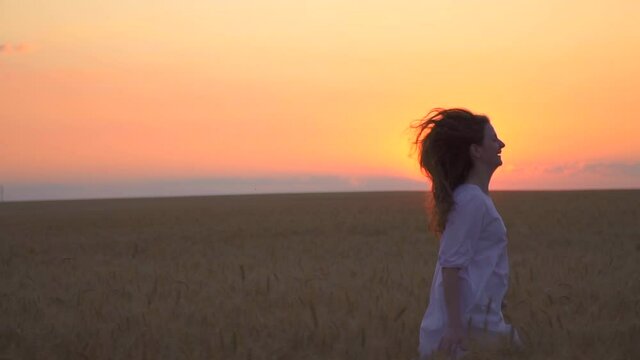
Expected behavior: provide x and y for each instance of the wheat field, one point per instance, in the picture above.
(303, 276)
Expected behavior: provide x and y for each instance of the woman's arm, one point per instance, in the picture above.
(451, 283)
(454, 334)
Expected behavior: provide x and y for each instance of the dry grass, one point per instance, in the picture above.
(314, 276)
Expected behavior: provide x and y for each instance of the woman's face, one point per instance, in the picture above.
(488, 153)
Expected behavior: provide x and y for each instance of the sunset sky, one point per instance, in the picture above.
(150, 98)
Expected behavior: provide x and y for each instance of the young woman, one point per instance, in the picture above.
(459, 152)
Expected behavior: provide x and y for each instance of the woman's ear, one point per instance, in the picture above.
(474, 151)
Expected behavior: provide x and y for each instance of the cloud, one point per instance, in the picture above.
(614, 168)
(587, 175)
(602, 168)
(599, 174)
(21, 48)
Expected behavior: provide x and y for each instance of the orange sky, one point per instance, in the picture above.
(97, 92)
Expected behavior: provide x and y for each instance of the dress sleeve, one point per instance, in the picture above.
(463, 228)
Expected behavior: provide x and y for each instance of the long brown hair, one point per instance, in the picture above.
(443, 139)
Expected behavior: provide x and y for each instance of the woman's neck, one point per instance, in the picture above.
(480, 177)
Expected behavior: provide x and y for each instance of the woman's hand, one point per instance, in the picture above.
(453, 340)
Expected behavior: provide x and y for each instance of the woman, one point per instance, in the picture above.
(459, 152)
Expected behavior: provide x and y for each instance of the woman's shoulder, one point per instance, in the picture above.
(468, 190)
(469, 194)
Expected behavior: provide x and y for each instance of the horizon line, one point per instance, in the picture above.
(320, 192)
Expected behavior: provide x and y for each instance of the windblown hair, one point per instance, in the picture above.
(443, 139)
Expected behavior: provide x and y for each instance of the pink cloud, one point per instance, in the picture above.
(600, 168)
(605, 174)
(20, 48)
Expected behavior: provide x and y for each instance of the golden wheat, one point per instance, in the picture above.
(310, 276)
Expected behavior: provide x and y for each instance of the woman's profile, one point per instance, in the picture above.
(459, 152)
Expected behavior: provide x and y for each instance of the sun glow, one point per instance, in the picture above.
(115, 91)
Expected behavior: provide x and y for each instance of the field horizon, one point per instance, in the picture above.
(340, 275)
(632, 189)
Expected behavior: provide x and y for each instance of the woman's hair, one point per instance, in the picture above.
(443, 139)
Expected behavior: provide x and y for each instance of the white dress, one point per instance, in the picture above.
(475, 240)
